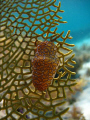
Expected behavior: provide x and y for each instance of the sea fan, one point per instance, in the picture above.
(22, 24)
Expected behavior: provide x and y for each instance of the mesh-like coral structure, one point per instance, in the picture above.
(22, 23)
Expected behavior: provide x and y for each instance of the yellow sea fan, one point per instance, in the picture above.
(20, 23)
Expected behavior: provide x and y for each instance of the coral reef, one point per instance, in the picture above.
(22, 24)
(81, 98)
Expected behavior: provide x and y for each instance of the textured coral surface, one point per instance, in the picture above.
(22, 23)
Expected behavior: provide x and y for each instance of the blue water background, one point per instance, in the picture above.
(77, 14)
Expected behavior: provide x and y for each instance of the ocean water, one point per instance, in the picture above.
(77, 15)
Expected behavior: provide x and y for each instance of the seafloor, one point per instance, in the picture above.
(80, 102)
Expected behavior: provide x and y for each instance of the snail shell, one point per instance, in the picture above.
(44, 65)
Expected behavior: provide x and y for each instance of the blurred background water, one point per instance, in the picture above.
(77, 14)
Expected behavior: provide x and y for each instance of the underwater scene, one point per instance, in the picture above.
(45, 60)
(77, 14)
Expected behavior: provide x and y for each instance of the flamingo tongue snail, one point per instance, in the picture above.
(44, 65)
